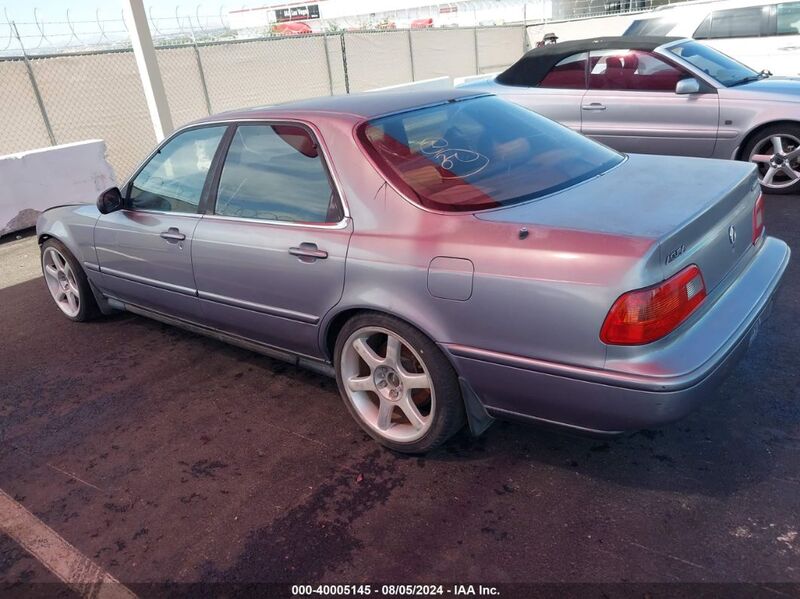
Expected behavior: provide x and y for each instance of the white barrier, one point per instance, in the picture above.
(33, 181)
(424, 84)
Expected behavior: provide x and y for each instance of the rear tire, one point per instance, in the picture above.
(397, 384)
(775, 150)
(67, 282)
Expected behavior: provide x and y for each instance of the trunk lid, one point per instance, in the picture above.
(685, 205)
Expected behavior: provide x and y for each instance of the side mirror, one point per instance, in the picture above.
(690, 85)
(110, 200)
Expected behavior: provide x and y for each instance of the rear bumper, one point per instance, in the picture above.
(649, 390)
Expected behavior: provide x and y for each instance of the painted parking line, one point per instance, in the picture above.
(67, 563)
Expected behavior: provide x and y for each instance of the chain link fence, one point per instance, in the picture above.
(58, 99)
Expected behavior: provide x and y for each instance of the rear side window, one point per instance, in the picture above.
(632, 70)
(735, 22)
(480, 153)
(658, 26)
(788, 18)
(275, 172)
(569, 73)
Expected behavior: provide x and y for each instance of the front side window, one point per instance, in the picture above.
(788, 18)
(570, 73)
(735, 22)
(173, 180)
(632, 70)
(275, 172)
(480, 153)
(714, 63)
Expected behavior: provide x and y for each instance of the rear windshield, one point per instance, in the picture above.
(480, 153)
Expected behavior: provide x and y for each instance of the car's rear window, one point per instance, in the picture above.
(480, 153)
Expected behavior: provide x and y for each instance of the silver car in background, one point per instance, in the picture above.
(657, 95)
(449, 257)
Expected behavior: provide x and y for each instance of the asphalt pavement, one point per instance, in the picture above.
(165, 456)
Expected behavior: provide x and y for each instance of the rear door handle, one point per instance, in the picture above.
(308, 252)
(173, 234)
(593, 106)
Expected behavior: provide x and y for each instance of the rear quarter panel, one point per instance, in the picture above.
(543, 297)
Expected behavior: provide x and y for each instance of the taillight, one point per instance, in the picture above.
(758, 218)
(648, 314)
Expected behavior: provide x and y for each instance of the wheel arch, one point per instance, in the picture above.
(758, 129)
(336, 320)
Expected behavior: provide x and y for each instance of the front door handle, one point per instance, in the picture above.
(173, 234)
(308, 252)
(593, 106)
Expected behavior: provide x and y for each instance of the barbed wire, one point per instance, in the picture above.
(40, 36)
(37, 35)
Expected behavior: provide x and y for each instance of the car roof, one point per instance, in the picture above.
(536, 63)
(362, 106)
(715, 4)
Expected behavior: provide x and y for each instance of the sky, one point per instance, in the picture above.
(83, 15)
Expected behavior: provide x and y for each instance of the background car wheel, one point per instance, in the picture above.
(67, 282)
(397, 384)
(776, 153)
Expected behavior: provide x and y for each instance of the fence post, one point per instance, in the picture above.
(35, 87)
(525, 45)
(477, 54)
(344, 64)
(411, 54)
(200, 69)
(328, 62)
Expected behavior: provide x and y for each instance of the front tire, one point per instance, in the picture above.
(775, 150)
(67, 282)
(397, 384)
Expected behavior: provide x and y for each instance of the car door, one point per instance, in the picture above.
(632, 106)
(558, 95)
(144, 250)
(269, 256)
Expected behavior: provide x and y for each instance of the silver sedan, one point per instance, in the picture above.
(448, 256)
(656, 95)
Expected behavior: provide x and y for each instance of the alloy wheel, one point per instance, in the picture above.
(61, 282)
(388, 384)
(778, 160)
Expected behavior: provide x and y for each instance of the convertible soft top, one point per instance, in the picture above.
(535, 64)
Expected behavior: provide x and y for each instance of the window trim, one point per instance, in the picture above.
(658, 55)
(126, 195)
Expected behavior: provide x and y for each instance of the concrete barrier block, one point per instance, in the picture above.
(33, 181)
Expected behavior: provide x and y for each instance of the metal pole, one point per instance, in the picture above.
(344, 64)
(200, 69)
(328, 62)
(411, 54)
(146, 61)
(35, 87)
